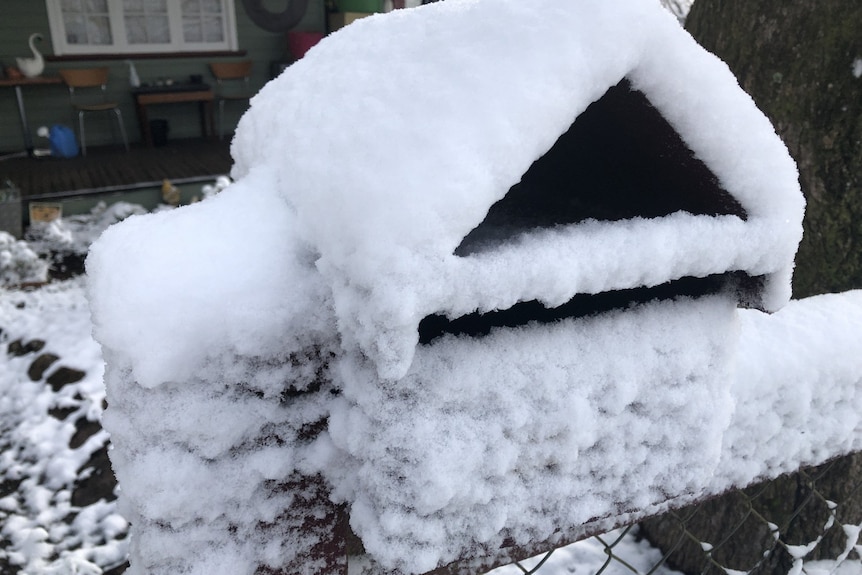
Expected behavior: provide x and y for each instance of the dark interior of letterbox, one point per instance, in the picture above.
(620, 159)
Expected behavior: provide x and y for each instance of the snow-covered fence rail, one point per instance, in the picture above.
(808, 521)
(798, 396)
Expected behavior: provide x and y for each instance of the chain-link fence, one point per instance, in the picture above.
(806, 522)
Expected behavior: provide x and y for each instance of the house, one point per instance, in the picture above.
(234, 36)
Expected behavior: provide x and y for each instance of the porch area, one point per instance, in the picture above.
(111, 168)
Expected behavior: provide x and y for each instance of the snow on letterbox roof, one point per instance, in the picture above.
(397, 136)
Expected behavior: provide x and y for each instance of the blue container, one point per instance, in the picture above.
(62, 141)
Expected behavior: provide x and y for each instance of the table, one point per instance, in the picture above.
(18, 83)
(175, 94)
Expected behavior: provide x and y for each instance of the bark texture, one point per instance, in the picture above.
(801, 61)
(750, 530)
(797, 59)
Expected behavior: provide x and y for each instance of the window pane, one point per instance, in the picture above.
(137, 7)
(147, 29)
(156, 6)
(192, 30)
(203, 21)
(76, 30)
(100, 6)
(136, 29)
(213, 31)
(212, 6)
(158, 29)
(70, 6)
(146, 22)
(191, 7)
(99, 30)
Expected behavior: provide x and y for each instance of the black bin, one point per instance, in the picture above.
(159, 130)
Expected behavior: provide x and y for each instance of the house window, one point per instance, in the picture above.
(147, 22)
(141, 26)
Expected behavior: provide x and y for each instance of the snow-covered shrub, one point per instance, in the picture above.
(50, 237)
(19, 263)
(209, 190)
(73, 235)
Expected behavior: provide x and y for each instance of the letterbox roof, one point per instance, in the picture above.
(395, 136)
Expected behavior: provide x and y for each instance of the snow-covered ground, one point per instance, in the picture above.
(49, 524)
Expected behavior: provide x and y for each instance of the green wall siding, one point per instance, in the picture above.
(48, 105)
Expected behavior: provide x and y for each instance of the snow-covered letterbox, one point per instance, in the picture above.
(478, 275)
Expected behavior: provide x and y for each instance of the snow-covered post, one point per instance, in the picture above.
(474, 293)
(219, 351)
(10, 209)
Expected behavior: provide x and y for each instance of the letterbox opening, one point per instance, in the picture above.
(620, 159)
(480, 324)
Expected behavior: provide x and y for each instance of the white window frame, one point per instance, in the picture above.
(121, 45)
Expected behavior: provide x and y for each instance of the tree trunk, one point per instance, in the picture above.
(737, 525)
(801, 61)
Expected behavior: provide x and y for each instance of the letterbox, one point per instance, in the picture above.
(496, 253)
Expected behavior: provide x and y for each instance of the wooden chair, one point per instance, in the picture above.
(88, 93)
(232, 83)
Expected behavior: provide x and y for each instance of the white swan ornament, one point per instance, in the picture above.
(32, 67)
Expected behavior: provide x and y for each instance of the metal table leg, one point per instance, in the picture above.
(25, 127)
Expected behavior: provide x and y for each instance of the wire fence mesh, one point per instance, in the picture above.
(807, 522)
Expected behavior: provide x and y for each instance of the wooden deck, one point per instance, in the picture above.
(112, 167)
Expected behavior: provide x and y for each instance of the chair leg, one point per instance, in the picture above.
(112, 126)
(119, 116)
(73, 123)
(221, 119)
(83, 135)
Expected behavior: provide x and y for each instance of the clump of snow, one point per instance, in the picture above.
(73, 235)
(19, 264)
(279, 304)
(857, 68)
(288, 304)
(220, 183)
